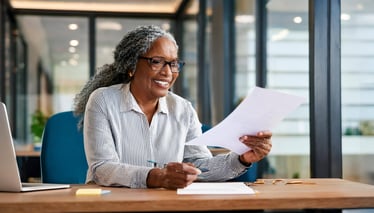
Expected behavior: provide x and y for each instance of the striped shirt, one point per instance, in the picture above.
(119, 141)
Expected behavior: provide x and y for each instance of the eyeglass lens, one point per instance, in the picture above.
(158, 63)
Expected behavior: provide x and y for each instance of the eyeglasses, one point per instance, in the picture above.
(158, 63)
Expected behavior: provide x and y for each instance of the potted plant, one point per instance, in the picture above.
(38, 121)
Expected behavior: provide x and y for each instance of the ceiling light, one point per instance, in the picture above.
(73, 62)
(74, 43)
(73, 26)
(244, 19)
(109, 25)
(345, 17)
(72, 50)
(297, 20)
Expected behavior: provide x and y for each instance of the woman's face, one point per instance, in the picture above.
(148, 83)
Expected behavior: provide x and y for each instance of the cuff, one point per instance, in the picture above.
(244, 163)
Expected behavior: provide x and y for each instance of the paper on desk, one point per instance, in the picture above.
(261, 110)
(216, 188)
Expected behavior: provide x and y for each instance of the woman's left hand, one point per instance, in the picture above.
(260, 146)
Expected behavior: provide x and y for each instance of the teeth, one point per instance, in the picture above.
(164, 83)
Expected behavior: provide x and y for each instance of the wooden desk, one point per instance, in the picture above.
(324, 194)
(26, 151)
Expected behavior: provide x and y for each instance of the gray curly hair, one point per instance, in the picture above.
(134, 44)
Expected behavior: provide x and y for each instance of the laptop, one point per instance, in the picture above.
(10, 180)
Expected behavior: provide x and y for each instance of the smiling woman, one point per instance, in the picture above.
(131, 116)
(151, 79)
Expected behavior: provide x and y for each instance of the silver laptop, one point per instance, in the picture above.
(10, 180)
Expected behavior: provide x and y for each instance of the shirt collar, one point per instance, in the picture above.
(129, 103)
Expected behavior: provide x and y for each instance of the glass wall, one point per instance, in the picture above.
(288, 71)
(245, 31)
(190, 75)
(57, 61)
(190, 44)
(20, 132)
(8, 69)
(357, 49)
(57, 50)
(12, 72)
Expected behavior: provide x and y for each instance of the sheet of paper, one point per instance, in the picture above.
(262, 109)
(216, 188)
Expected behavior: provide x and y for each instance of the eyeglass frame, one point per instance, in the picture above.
(162, 59)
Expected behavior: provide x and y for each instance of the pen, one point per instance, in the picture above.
(153, 162)
(155, 165)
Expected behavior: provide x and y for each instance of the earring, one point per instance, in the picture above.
(130, 74)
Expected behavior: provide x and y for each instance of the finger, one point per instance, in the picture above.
(190, 169)
(255, 141)
(174, 167)
(254, 137)
(265, 134)
(180, 180)
(259, 149)
(262, 149)
(263, 146)
(181, 174)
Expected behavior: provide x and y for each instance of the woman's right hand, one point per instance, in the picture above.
(174, 175)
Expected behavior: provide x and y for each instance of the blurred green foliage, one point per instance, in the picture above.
(38, 121)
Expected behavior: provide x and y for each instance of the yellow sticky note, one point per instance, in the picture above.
(91, 191)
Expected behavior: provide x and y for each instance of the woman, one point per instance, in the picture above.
(136, 129)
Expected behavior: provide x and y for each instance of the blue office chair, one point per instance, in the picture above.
(62, 158)
(250, 175)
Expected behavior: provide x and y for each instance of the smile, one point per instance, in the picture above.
(162, 83)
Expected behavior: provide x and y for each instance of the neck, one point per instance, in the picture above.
(147, 105)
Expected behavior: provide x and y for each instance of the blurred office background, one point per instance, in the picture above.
(49, 49)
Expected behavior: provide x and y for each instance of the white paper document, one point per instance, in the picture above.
(262, 109)
(216, 188)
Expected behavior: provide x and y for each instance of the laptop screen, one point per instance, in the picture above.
(10, 178)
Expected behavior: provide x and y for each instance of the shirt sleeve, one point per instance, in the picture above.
(221, 167)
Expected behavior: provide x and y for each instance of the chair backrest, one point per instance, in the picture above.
(63, 159)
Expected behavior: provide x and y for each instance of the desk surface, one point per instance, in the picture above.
(323, 194)
(26, 151)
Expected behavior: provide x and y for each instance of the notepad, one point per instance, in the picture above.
(216, 188)
(91, 191)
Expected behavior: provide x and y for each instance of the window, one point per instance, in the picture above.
(357, 33)
(288, 71)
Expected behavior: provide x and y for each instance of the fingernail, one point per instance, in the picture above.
(198, 171)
